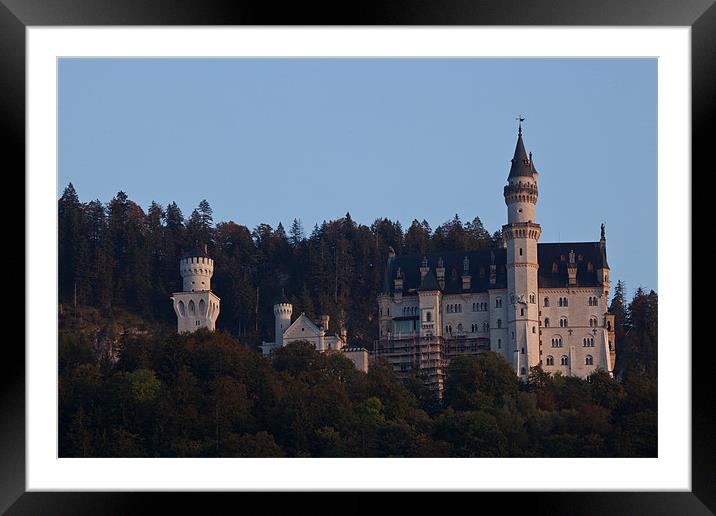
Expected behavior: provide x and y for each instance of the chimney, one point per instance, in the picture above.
(572, 270)
(424, 267)
(440, 273)
(324, 322)
(466, 279)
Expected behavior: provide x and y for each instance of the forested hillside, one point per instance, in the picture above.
(130, 386)
(115, 255)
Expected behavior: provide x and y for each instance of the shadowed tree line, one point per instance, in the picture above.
(117, 256)
(206, 395)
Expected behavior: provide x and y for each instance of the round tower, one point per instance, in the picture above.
(521, 234)
(282, 311)
(196, 270)
(196, 306)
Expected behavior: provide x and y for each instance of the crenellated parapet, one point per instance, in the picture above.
(521, 230)
(518, 191)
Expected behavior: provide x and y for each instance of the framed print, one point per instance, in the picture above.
(267, 251)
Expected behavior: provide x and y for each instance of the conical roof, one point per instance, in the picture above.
(281, 299)
(521, 164)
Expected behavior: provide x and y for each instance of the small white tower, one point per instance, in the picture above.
(282, 311)
(196, 306)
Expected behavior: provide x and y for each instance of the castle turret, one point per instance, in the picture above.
(521, 234)
(282, 310)
(196, 306)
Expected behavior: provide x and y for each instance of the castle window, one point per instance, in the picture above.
(498, 302)
(520, 251)
(499, 343)
(593, 322)
(546, 301)
(555, 268)
(522, 311)
(563, 322)
(522, 371)
(556, 341)
(550, 360)
(459, 328)
(534, 330)
(564, 360)
(533, 298)
(546, 322)
(181, 308)
(428, 316)
(589, 360)
(499, 323)
(522, 351)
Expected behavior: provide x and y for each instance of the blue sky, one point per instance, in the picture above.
(267, 140)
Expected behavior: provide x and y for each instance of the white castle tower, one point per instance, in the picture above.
(521, 234)
(282, 311)
(196, 306)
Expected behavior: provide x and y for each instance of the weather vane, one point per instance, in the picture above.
(520, 119)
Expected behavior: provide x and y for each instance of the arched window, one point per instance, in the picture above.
(593, 322)
(428, 316)
(566, 302)
(563, 322)
(192, 308)
(589, 360)
(564, 360)
(202, 308)
(546, 301)
(560, 301)
(522, 311)
(533, 298)
(550, 360)
(534, 330)
(181, 308)
(546, 322)
(556, 341)
(499, 323)
(459, 328)
(499, 343)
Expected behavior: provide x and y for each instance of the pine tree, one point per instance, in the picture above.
(296, 233)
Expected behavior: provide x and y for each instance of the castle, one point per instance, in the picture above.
(533, 303)
(198, 307)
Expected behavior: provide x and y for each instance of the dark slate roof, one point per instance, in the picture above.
(452, 261)
(521, 164)
(429, 282)
(481, 259)
(549, 254)
(196, 252)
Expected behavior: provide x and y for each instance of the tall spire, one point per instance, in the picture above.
(521, 164)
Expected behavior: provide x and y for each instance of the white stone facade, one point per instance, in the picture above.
(304, 329)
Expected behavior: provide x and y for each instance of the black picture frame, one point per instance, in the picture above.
(16, 15)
